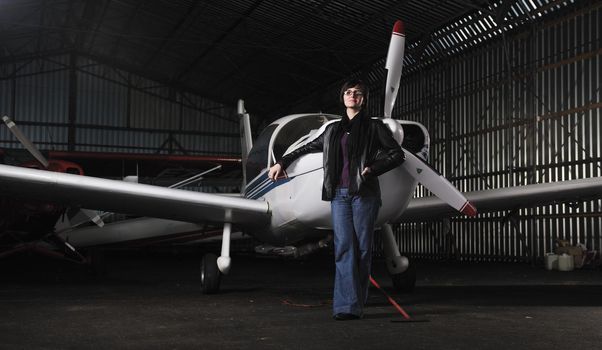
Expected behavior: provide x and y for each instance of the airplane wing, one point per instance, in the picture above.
(429, 208)
(139, 231)
(129, 198)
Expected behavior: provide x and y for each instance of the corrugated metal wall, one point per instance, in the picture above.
(523, 109)
(114, 111)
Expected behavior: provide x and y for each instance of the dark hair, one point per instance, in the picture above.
(353, 83)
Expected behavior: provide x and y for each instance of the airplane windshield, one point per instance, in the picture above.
(295, 129)
(258, 157)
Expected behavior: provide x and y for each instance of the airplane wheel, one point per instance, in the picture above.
(210, 275)
(406, 281)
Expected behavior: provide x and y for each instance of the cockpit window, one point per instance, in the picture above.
(258, 157)
(295, 129)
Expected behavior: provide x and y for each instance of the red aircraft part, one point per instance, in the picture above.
(59, 166)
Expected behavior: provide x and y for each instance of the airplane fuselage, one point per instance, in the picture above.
(298, 211)
(284, 212)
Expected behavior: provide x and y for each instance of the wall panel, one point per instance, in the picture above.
(115, 111)
(522, 109)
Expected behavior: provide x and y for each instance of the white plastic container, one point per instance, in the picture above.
(551, 261)
(566, 262)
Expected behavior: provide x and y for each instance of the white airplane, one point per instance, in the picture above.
(287, 212)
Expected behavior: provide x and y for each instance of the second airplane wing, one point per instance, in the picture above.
(432, 208)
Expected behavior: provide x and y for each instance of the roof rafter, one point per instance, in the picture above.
(222, 37)
(126, 28)
(98, 24)
(191, 13)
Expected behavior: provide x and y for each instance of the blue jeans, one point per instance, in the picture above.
(353, 219)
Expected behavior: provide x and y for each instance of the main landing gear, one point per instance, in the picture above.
(213, 267)
(210, 274)
(402, 273)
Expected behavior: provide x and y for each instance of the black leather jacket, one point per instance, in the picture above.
(382, 153)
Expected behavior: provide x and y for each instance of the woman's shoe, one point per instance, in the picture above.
(345, 317)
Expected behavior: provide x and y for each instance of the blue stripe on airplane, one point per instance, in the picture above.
(271, 186)
(257, 183)
(260, 179)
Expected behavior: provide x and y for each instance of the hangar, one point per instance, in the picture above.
(509, 91)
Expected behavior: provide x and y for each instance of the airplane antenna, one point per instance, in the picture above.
(52, 145)
(197, 177)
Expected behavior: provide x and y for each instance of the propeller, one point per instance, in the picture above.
(415, 166)
(25, 141)
(437, 184)
(394, 65)
(91, 214)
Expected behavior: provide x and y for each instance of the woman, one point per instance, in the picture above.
(356, 151)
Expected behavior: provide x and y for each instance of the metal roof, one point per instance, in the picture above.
(271, 53)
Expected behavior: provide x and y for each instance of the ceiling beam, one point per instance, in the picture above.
(33, 55)
(191, 14)
(282, 36)
(426, 36)
(99, 22)
(503, 9)
(197, 60)
(126, 28)
(41, 31)
(357, 28)
(67, 26)
(84, 23)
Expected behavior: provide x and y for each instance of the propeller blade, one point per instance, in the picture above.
(90, 214)
(25, 141)
(437, 184)
(394, 65)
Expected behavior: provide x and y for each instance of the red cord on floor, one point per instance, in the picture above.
(393, 302)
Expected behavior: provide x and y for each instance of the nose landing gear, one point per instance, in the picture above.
(401, 270)
(405, 282)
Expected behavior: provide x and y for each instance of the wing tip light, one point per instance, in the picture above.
(469, 209)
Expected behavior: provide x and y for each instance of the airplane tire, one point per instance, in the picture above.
(406, 281)
(210, 275)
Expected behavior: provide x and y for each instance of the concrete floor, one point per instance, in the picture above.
(151, 301)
